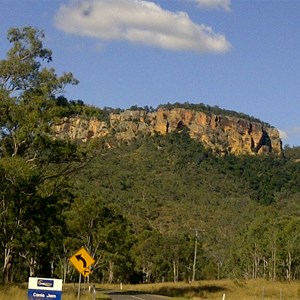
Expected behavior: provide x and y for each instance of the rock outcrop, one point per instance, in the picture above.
(221, 133)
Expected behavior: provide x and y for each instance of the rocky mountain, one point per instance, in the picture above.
(221, 133)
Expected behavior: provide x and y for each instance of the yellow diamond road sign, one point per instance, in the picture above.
(81, 260)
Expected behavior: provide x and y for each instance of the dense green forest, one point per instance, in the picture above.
(157, 208)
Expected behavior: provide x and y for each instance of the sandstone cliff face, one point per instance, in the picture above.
(221, 133)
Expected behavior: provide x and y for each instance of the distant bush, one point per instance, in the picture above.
(216, 110)
(74, 108)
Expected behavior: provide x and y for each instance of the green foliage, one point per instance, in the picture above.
(103, 231)
(34, 167)
(292, 152)
(169, 185)
(77, 108)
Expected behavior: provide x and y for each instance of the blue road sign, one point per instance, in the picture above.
(44, 288)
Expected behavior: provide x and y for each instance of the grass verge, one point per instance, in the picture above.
(215, 289)
(208, 290)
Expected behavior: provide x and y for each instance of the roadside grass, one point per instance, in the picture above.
(214, 289)
(19, 292)
(12, 292)
(208, 290)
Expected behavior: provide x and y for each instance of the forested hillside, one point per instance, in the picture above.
(155, 208)
(244, 211)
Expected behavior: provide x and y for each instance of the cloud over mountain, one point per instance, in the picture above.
(138, 21)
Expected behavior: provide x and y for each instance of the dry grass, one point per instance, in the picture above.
(209, 290)
(214, 290)
(14, 292)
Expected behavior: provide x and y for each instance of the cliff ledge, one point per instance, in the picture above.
(221, 133)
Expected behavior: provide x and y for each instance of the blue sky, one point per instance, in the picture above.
(242, 55)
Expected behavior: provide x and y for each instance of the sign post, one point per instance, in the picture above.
(82, 260)
(79, 287)
(44, 288)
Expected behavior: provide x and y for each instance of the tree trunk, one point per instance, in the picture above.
(195, 256)
(110, 271)
(147, 271)
(256, 261)
(175, 271)
(64, 269)
(7, 264)
(274, 260)
(32, 266)
(289, 267)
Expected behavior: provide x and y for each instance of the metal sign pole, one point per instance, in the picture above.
(82, 260)
(79, 286)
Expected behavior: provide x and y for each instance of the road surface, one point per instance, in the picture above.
(131, 295)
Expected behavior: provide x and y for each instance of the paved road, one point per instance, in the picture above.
(130, 295)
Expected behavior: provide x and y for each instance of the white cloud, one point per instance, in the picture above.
(283, 134)
(290, 136)
(138, 21)
(214, 4)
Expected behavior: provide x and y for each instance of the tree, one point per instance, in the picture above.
(289, 239)
(34, 166)
(104, 232)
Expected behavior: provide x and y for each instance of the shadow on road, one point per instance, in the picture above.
(121, 292)
(187, 291)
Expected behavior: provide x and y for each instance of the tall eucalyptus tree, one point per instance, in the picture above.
(33, 165)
